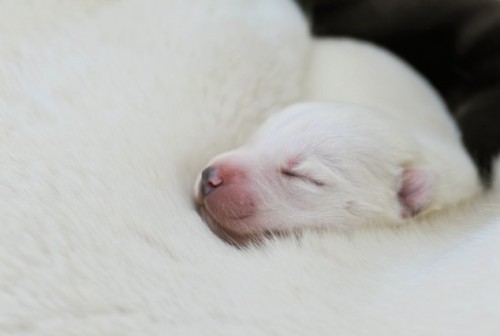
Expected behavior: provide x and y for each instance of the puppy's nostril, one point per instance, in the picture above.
(210, 180)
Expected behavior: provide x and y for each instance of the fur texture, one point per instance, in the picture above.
(108, 111)
(368, 152)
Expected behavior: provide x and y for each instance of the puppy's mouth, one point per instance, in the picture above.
(231, 237)
(240, 240)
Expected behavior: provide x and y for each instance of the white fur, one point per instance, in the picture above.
(380, 146)
(108, 109)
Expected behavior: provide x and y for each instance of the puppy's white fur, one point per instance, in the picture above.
(386, 149)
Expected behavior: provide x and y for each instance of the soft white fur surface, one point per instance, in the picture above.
(108, 109)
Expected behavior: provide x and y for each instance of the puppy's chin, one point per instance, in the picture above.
(238, 239)
(233, 238)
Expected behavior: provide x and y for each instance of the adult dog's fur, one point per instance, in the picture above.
(108, 110)
(454, 43)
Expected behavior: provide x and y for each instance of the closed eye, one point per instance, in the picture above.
(294, 175)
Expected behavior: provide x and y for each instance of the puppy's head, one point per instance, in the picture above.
(315, 165)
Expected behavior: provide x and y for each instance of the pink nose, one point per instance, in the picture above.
(210, 180)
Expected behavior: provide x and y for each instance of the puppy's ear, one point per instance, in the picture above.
(416, 190)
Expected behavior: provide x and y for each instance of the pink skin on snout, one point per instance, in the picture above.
(226, 196)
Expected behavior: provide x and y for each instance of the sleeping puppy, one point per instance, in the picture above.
(377, 145)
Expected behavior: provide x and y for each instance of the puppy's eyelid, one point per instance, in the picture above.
(292, 174)
(289, 172)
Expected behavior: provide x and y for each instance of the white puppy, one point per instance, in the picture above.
(385, 150)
